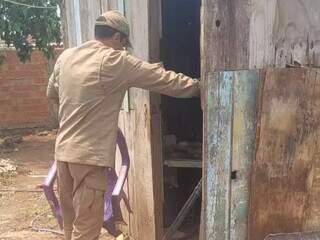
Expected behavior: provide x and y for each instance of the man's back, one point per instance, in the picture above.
(90, 82)
(89, 103)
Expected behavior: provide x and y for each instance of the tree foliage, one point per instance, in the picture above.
(19, 24)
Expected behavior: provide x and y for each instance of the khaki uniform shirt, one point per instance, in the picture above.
(89, 83)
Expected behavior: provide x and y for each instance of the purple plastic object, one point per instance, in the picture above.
(114, 188)
(50, 195)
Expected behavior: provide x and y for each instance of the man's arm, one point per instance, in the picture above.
(136, 73)
(53, 90)
(53, 84)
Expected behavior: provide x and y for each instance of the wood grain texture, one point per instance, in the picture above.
(245, 108)
(217, 155)
(224, 35)
(89, 11)
(285, 189)
(183, 163)
(284, 32)
(157, 163)
(156, 119)
(109, 5)
(248, 34)
(69, 22)
(146, 203)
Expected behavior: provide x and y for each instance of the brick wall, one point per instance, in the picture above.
(23, 102)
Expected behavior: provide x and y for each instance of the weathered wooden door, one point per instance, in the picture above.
(230, 114)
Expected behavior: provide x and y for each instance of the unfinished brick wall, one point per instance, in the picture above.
(23, 102)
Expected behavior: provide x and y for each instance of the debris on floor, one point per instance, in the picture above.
(186, 150)
(9, 144)
(7, 168)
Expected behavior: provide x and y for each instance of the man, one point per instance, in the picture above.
(88, 83)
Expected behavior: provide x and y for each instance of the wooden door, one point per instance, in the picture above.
(230, 113)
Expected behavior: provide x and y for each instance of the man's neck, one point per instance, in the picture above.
(106, 42)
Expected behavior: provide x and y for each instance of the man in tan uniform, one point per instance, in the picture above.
(88, 84)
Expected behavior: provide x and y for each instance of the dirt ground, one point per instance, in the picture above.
(22, 205)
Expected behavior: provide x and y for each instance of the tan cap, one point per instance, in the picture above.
(115, 20)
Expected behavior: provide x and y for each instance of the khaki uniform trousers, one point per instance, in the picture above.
(81, 193)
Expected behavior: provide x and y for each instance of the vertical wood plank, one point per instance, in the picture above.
(70, 21)
(145, 204)
(77, 21)
(109, 5)
(245, 107)
(89, 11)
(156, 117)
(217, 155)
(224, 35)
(64, 23)
(157, 163)
(263, 14)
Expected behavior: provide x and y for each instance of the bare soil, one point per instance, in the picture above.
(23, 207)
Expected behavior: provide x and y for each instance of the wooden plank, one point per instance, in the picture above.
(109, 5)
(248, 34)
(155, 20)
(145, 202)
(261, 52)
(224, 35)
(157, 163)
(68, 22)
(64, 23)
(89, 11)
(125, 10)
(284, 32)
(217, 154)
(245, 107)
(285, 189)
(183, 163)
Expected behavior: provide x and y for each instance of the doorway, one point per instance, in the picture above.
(181, 118)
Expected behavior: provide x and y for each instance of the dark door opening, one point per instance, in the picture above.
(181, 118)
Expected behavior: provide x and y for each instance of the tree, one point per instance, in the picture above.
(29, 25)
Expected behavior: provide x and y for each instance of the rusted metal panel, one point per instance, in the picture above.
(245, 107)
(285, 189)
(217, 156)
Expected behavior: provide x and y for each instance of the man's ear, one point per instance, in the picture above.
(116, 36)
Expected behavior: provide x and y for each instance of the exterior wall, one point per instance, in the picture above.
(248, 34)
(23, 102)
